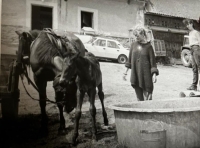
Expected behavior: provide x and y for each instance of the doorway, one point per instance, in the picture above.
(41, 17)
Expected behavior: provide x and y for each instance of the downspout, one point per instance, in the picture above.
(59, 12)
(140, 14)
(62, 4)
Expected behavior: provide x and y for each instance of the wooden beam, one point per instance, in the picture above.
(165, 29)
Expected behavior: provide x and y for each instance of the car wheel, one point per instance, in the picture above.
(186, 58)
(122, 59)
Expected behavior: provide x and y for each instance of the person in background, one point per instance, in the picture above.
(143, 66)
(194, 42)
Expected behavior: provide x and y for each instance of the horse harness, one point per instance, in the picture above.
(58, 41)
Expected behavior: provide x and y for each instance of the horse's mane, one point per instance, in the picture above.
(90, 59)
(45, 50)
(75, 41)
(90, 65)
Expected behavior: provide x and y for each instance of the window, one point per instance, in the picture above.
(86, 19)
(100, 43)
(112, 44)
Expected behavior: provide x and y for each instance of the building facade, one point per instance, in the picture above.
(165, 19)
(106, 17)
(111, 18)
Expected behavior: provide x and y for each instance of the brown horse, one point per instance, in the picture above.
(45, 51)
(89, 77)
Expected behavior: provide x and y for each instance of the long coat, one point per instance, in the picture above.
(142, 63)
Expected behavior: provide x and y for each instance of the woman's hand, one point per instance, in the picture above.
(154, 79)
(124, 76)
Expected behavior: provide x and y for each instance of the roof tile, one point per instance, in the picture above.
(177, 8)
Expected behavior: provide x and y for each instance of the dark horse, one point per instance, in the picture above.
(45, 50)
(89, 77)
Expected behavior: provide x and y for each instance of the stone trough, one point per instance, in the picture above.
(173, 123)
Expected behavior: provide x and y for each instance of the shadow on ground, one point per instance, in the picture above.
(26, 133)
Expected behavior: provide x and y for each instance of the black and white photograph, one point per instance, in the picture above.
(100, 74)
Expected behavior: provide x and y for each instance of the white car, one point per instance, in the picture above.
(104, 48)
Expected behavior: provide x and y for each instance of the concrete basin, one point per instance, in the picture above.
(173, 123)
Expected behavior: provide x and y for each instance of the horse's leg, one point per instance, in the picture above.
(77, 116)
(101, 97)
(41, 84)
(59, 97)
(92, 93)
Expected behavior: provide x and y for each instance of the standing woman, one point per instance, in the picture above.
(142, 63)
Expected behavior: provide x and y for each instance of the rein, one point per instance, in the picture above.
(34, 86)
(55, 40)
(60, 42)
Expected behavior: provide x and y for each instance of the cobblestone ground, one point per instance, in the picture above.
(170, 82)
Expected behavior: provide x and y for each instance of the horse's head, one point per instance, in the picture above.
(68, 69)
(25, 40)
(65, 95)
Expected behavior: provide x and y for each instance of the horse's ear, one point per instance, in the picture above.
(78, 54)
(75, 56)
(30, 35)
(25, 34)
(18, 32)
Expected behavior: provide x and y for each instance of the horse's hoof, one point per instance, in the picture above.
(44, 127)
(74, 140)
(61, 131)
(44, 122)
(106, 123)
(44, 131)
(94, 138)
(94, 141)
(68, 110)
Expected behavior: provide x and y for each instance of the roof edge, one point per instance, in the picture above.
(166, 15)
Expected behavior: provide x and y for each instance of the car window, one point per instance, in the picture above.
(100, 42)
(112, 44)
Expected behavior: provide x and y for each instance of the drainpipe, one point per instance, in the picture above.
(140, 14)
